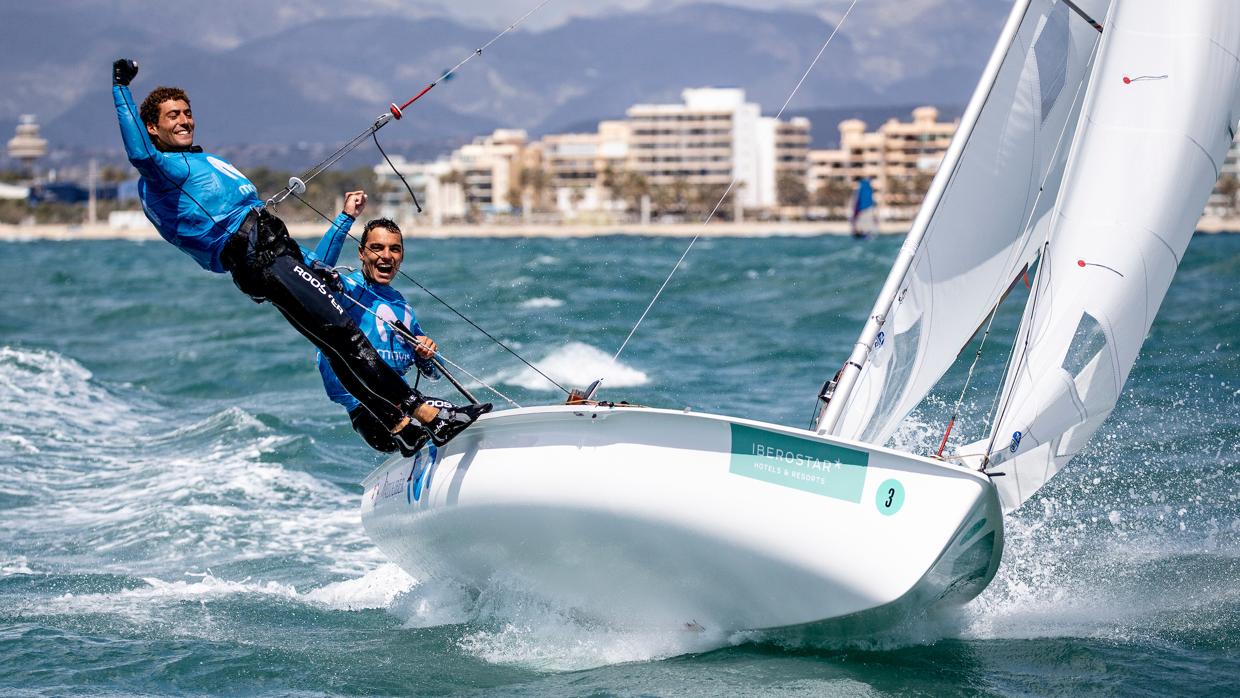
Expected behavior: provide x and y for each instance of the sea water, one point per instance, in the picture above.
(179, 502)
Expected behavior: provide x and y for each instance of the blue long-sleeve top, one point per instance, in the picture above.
(370, 302)
(194, 199)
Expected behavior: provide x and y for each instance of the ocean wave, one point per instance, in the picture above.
(90, 473)
(16, 565)
(144, 601)
(576, 363)
(48, 399)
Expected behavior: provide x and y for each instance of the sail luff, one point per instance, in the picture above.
(829, 414)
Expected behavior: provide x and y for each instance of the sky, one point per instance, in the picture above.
(559, 11)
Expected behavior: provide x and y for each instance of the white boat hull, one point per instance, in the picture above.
(643, 516)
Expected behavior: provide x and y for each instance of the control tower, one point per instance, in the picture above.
(27, 146)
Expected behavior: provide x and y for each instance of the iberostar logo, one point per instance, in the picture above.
(812, 466)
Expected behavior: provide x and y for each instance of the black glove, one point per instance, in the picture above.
(123, 70)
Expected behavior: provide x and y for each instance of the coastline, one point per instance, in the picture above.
(311, 231)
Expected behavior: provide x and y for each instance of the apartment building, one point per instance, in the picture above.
(481, 177)
(708, 139)
(575, 165)
(899, 158)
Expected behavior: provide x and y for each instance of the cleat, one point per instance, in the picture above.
(452, 420)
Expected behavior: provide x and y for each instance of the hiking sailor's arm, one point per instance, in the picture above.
(425, 351)
(153, 165)
(328, 249)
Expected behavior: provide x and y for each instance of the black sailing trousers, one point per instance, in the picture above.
(267, 265)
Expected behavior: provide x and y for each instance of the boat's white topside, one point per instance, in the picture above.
(666, 517)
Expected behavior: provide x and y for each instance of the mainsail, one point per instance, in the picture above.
(1158, 120)
(982, 221)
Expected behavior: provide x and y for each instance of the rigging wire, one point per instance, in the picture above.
(449, 306)
(731, 186)
(968, 379)
(394, 112)
(996, 413)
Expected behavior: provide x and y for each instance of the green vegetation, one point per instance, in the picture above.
(325, 193)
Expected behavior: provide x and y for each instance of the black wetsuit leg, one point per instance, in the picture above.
(372, 432)
(268, 266)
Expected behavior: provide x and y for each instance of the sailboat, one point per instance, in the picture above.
(864, 219)
(1084, 158)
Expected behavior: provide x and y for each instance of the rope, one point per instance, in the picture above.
(447, 305)
(400, 329)
(395, 112)
(395, 171)
(731, 186)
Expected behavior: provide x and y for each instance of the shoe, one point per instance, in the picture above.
(411, 439)
(453, 419)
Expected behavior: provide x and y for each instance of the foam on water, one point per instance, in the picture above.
(509, 625)
(576, 363)
(378, 588)
(541, 302)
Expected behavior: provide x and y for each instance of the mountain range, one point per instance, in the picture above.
(299, 72)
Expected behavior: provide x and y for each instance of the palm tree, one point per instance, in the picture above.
(1227, 187)
(833, 194)
(790, 189)
(536, 181)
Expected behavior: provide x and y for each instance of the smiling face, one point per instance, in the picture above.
(381, 254)
(175, 126)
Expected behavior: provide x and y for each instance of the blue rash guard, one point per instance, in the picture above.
(381, 300)
(195, 200)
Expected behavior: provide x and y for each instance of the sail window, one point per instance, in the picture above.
(1051, 51)
(903, 347)
(1088, 340)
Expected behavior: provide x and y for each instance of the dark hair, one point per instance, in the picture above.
(149, 111)
(380, 223)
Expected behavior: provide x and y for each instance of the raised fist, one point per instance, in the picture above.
(123, 70)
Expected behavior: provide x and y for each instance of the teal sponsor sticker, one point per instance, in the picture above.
(812, 466)
(890, 497)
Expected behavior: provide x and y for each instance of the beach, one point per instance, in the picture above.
(722, 229)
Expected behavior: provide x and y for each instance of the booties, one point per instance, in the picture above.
(411, 439)
(452, 419)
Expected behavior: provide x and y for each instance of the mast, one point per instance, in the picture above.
(829, 414)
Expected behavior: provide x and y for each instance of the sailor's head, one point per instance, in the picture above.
(168, 118)
(381, 251)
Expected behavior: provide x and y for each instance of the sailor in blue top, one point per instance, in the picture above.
(209, 210)
(384, 316)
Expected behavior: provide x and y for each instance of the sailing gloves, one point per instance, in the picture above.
(123, 70)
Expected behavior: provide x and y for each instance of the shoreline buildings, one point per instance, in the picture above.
(899, 159)
(665, 157)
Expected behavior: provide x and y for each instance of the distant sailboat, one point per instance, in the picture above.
(864, 219)
(1085, 150)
